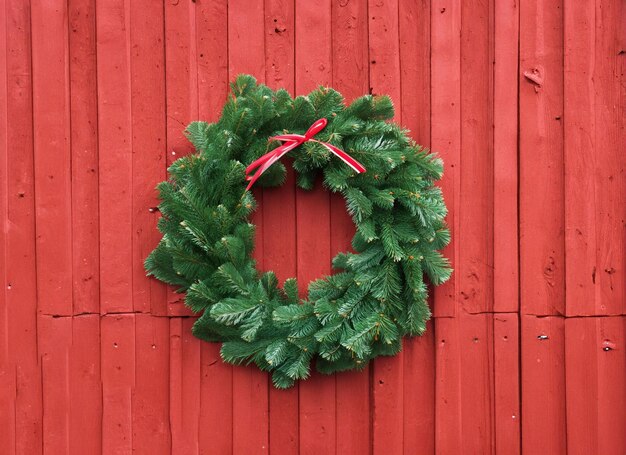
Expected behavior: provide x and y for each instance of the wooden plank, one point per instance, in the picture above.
(212, 58)
(419, 352)
(419, 393)
(215, 419)
(313, 67)
(7, 408)
(541, 158)
(117, 351)
(184, 386)
(350, 50)
(506, 383)
(505, 127)
(147, 80)
(7, 369)
(475, 270)
(51, 122)
(543, 385)
(182, 97)
(350, 77)
(594, 158)
(55, 339)
(464, 415)
(246, 54)
(84, 151)
(414, 32)
(280, 44)
(595, 377)
(445, 94)
(115, 156)
(20, 284)
(150, 421)
(279, 214)
(85, 386)
(387, 377)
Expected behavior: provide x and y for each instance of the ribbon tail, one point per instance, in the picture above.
(266, 161)
(343, 156)
(260, 171)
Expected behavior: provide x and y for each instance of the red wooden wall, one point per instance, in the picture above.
(524, 99)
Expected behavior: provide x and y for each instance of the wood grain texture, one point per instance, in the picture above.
(115, 156)
(53, 186)
(349, 76)
(418, 367)
(19, 304)
(279, 213)
(445, 96)
(524, 102)
(84, 156)
(182, 96)
(543, 384)
(313, 67)
(505, 156)
(246, 54)
(464, 408)
(506, 351)
(594, 364)
(215, 419)
(595, 206)
(387, 374)
(542, 243)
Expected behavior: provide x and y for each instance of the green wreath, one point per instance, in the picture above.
(347, 318)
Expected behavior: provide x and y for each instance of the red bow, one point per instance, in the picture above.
(291, 141)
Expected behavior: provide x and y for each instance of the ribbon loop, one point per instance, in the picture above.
(290, 142)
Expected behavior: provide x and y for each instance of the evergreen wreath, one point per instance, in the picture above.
(348, 318)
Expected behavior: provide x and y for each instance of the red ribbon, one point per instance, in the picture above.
(291, 141)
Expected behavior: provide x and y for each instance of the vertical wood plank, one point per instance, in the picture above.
(505, 136)
(85, 385)
(475, 269)
(595, 377)
(19, 288)
(84, 155)
(215, 427)
(541, 158)
(53, 187)
(147, 66)
(184, 386)
(313, 67)
(419, 352)
(350, 77)
(215, 424)
(445, 94)
(543, 385)
(55, 339)
(594, 158)
(115, 156)
(212, 58)
(7, 370)
(117, 351)
(181, 77)
(464, 416)
(419, 393)
(151, 432)
(385, 79)
(279, 213)
(246, 54)
(506, 383)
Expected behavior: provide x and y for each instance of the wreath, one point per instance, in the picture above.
(378, 294)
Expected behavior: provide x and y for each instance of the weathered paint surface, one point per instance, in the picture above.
(524, 100)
